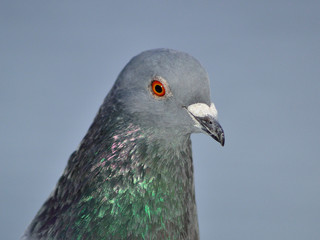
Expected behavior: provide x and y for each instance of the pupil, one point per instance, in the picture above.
(158, 89)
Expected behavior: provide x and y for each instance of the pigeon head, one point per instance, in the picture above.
(169, 91)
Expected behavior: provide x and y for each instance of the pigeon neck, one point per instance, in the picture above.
(123, 183)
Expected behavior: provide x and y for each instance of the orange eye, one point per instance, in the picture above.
(158, 88)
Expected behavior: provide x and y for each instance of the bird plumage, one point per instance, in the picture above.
(132, 175)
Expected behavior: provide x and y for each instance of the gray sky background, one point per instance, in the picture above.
(59, 59)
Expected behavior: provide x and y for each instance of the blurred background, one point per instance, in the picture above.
(59, 59)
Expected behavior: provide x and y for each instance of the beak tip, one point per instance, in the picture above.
(222, 139)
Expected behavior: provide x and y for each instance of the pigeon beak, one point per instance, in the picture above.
(212, 127)
(205, 118)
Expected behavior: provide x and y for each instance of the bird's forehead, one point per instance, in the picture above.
(175, 65)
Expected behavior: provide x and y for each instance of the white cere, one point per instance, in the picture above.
(202, 110)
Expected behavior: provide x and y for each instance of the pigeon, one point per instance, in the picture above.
(132, 174)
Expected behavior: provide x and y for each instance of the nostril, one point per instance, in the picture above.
(207, 120)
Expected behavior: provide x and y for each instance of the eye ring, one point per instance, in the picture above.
(158, 88)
